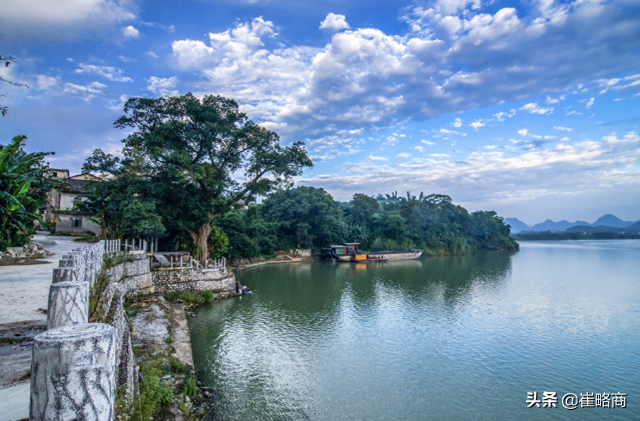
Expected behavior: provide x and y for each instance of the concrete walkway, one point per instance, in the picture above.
(25, 288)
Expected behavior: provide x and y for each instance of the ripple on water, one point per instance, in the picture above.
(448, 338)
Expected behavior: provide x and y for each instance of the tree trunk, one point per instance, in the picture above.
(201, 240)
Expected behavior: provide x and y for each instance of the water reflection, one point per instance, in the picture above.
(399, 340)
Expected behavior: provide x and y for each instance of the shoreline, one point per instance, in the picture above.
(271, 262)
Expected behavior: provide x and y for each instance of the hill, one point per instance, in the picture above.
(611, 221)
(608, 220)
(634, 227)
(553, 226)
(599, 228)
(517, 225)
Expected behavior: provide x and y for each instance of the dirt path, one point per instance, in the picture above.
(25, 289)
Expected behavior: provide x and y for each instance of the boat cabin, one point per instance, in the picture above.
(353, 247)
(343, 249)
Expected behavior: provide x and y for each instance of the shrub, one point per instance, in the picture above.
(208, 296)
(154, 393)
(190, 387)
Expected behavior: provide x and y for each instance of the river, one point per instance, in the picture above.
(440, 338)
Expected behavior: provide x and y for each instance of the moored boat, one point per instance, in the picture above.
(397, 255)
(349, 252)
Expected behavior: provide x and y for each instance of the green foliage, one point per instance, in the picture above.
(190, 386)
(24, 183)
(218, 243)
(362, 208)
(87, 239)
(307, 216)
(190, 297)
(249, 234)
(141, 220)
(208, 296)
(187, 155)
(154, 393)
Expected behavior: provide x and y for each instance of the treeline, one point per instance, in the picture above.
(308, 217)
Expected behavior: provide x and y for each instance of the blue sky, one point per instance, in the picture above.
(528, 108)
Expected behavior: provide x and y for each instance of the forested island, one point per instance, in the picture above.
(201, 176)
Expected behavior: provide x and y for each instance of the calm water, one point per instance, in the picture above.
(441, 338)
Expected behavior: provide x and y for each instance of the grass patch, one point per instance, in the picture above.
(190, 297)
(190, 386)
(154, 394)
(87, 239)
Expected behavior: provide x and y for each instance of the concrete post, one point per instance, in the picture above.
(64, 274)
(73, 373)
(68, 304)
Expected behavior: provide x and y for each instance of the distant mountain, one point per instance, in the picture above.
(517, 225)
(611, 221)
(553, 226)
(598, 228)
(634, 227)
(608, 220)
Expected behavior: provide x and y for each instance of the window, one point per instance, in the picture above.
(77, 223)
(55, 174)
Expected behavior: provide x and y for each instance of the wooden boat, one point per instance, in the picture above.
(349, 252)
(397, 255)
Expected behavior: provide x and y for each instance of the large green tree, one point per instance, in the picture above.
(308, 217)
(196, 158)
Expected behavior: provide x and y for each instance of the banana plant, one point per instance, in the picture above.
(19, 200)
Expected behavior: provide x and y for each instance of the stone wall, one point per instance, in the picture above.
(87, 355)
(191, 279)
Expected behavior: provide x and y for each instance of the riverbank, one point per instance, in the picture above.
(271, 262)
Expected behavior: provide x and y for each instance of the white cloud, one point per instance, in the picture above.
(419, 148)
(334, 22)
(60, 20)
(86, 92)
(404, 155)
(523, 132)
(151, 54)
(127, 59)
(456, 123)
(426, 142)
(46, 82)
(533, 108)
(111, 73)
(588, 102)
(378, 158)
(477, 124)
(366, 78)
(565, 129)
(163, 86)
(589, 167)
(130, 32)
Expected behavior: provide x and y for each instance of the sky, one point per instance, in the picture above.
(529, 108)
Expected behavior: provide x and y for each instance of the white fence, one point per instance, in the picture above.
(114, 246)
